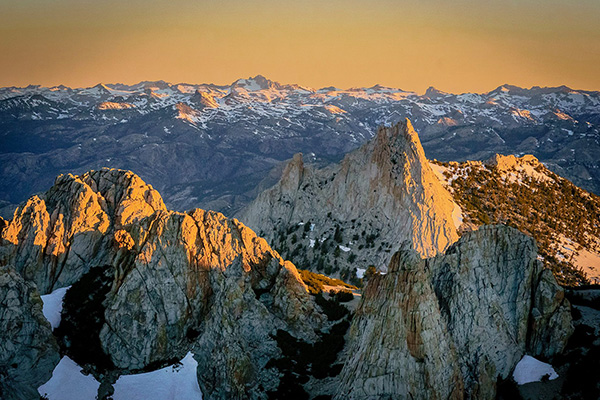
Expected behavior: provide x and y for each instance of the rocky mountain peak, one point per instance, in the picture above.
(293, 174)
(378, 196)
(399, 139)
(101, 89)
(263, 82)
(158, 283)
(433, 93)
(258, 82)
(53, 238)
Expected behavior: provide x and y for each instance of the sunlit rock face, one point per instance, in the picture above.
(380, 195)
(449, 326)
(55, 237)
(176, 281)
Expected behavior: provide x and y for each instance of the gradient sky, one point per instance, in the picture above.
(456, 46)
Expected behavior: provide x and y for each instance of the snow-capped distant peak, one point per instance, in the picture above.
(506, 105)
(102, 88)
(98, 90)
(259, 82)
(432, 92)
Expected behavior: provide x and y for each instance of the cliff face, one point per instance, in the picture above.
(200, 281)
(28, 351)
(449, 326)
(376, 197)
(164, 283)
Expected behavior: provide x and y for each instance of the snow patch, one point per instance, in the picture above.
(457, 216)
(312, 243)
(176, 382)
(53, 304)
(344, 248)
(531, 370)
(360, 273)
(439, 170)
(69, 383)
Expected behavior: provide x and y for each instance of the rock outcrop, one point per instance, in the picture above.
(199, 280)
(28, 351)
(450, 326)
(177, 282)
(380, 195)
(54, 238)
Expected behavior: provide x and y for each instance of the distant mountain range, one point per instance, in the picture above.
(210, 146)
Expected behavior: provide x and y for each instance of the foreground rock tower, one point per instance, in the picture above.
(448, 327)
(378, 196)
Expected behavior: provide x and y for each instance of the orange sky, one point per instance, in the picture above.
(456, 46)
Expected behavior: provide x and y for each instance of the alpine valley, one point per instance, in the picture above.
(366, 243)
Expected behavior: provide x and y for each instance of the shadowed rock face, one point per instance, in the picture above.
(181, 282)
(449, 326)
(28, 351)
(384, 191)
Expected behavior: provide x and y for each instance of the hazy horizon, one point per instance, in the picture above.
(222, 84)
(463, 46)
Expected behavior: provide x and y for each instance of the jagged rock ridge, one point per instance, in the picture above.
(376, 197)
(450, 326)
(55, 237)
(178, 282)
(523, 193)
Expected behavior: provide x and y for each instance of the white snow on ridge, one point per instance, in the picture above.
(344, 248)
(53, 303)
(457, 216)
(170, 383)
(530, 370)
(69, 383)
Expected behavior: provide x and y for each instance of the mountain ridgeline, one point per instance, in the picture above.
(523, 193)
